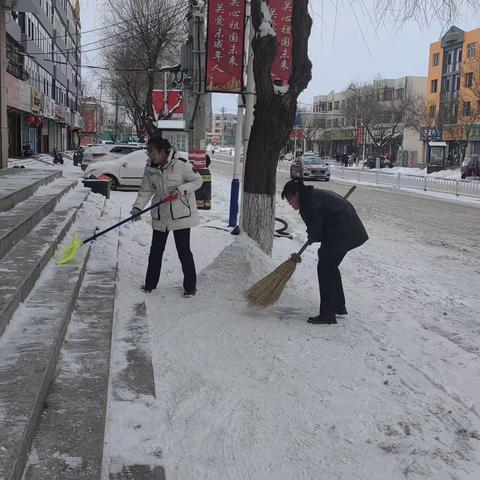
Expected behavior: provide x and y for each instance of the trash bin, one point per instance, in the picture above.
(204, 193)
(98, 186)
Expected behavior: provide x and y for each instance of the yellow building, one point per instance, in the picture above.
(453, 92)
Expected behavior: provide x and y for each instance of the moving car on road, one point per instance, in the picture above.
(310, 167)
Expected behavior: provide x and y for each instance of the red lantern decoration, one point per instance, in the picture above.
(29, 119)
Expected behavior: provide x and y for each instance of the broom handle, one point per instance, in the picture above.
(170, 198)
(306, 244)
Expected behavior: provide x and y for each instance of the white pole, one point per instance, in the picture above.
(235, 188)
(249, 95)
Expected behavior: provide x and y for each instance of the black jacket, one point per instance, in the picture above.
(331, 219)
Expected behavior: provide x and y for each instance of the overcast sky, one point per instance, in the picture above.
(344, 46)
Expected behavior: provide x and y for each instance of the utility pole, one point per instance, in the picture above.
(194, 90)
(223, 127)
(3, 93)
(115, 132)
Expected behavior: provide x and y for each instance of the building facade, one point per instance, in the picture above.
(453, 95)
(222, 130)
(43, 76)
(338, 127)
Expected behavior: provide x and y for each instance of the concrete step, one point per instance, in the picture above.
(69, 441)
(23, 264)
(17, 184)
(30, 346)
(19, 220)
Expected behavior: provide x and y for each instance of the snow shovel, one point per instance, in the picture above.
(268, 290)
(70, 253)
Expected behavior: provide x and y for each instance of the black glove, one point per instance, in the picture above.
(133, 211)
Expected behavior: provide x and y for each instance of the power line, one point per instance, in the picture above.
(164, 10)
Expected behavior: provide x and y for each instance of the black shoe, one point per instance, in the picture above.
(147, 289)
(341, 310)
(189, 294)
(328, 319)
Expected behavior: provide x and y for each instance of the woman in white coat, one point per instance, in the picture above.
(164, 175)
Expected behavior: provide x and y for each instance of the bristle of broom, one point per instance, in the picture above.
(268, 290)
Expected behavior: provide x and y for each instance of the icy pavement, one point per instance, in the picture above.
(391, 392)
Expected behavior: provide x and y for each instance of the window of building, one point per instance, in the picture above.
(15, 59)
(459, 55)
(336, 105)
(471, 50)
(399, 93)
(330, 106)
(449, 58)
(432, 111)
(321, 122)
(335, 122)
(467, 108)
(388, 94)
(456, 83)
(329, 123)
(469, 79)
(436, 59)
(323, 106)
(344, 103)
(446, 84)
(434, 86)
(343, 121)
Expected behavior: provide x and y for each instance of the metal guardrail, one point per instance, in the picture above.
(419, 182)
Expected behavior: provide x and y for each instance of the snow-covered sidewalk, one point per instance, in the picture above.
(391, 392)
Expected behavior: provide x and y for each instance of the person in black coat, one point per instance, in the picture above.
(331, 220)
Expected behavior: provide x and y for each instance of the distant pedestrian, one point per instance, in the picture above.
(331, 220)
(167, 174)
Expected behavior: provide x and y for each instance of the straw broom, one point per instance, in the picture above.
(268, 290)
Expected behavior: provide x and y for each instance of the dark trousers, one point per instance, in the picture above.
(182, 242)
(330, 281)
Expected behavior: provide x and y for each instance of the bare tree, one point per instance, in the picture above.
(384, 115)
(274, 117)
(422, 11)
(312, 125)
(148, 34)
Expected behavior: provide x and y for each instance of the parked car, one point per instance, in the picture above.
(125, 171)
(310, 167)
(371, 162)
(106, 151)
(471, 166)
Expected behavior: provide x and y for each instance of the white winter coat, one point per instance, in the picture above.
(178, 174)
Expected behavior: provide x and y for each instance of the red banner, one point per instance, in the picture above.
(282, 11)
(225, 40)
(174, 104)
(360, 133)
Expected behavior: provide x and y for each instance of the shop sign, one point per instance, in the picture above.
(13, 91)
(77, 120)
(454, 132)
(173, 109)
(60, 112)
(24, 97)
(37, 102)
(177, 138)
(48, 107)
(430, 134)
(474, 133)
(225, 40)
(344, 134)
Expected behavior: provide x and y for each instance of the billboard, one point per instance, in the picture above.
(225, 41)
(173, 109)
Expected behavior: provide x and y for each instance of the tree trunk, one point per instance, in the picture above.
(274, 117)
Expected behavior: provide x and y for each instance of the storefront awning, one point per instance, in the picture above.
(437, 144)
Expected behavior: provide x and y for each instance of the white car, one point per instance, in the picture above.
(126, 171)
(107, 152)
